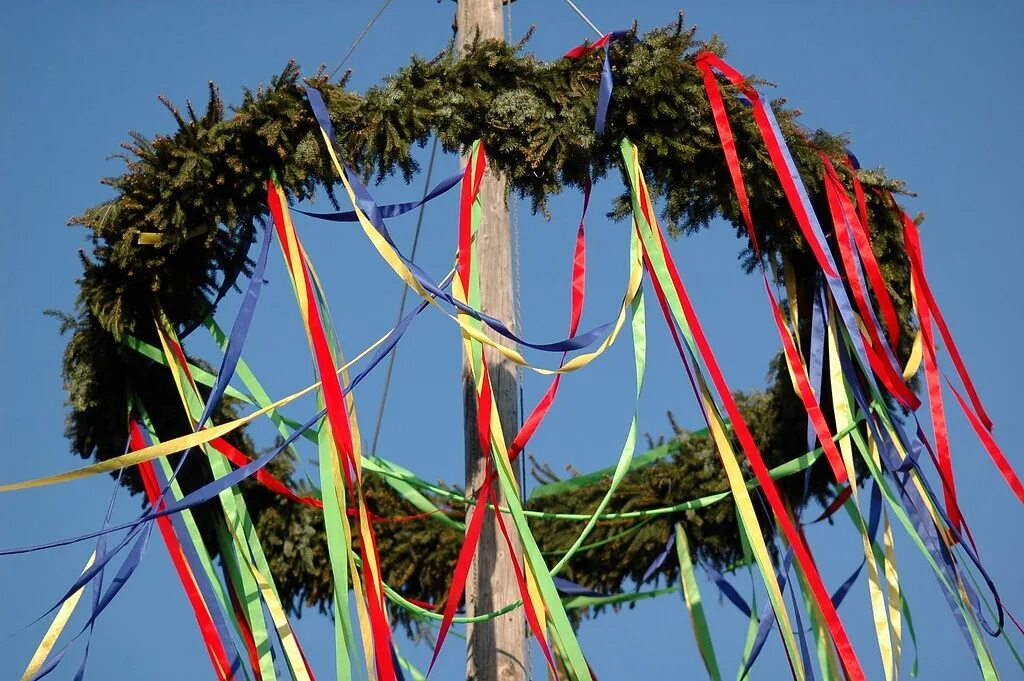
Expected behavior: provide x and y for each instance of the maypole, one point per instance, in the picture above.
(180, 231)
(495, 649)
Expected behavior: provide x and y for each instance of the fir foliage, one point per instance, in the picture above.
(201, 189)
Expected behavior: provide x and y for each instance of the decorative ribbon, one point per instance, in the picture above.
(862, 237)
(340, 428)
(687, 316)
(796, 195)
(393, 210)
(604, 92)
(691, 594)
(419, 281)
(211, 638)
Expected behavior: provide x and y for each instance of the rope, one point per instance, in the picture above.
(359, 38)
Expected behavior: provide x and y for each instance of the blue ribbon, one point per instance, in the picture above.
(766, 622)
(97, 585)
(373, 213)
(659, 560)
(802, 637)
(727, 589)
(239, 332)
(604, 92)
(124, 573)
(817, 352)
(571, 588)
(394, 209)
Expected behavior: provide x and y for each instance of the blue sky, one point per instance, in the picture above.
(924, 90)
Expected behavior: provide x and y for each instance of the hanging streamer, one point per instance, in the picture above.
(691, 594)
(604, 92)
(796, 195)
(687, 317)
(863, 374)
(928, 308)
(340, 429)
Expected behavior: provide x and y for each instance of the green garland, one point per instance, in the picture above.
(201, 190)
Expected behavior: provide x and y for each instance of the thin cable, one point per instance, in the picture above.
(508, 21)
(517, 291)
(528, 662)
(585, 18)
(405, 292)
(359, 38)
(518, 314)
(516, 265)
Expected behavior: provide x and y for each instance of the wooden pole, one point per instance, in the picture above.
(495, 650)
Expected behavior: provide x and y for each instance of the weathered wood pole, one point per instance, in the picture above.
(496, 650)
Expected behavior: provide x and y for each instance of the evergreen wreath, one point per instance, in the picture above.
(201, 191)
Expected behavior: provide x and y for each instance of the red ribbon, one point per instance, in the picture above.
(836, 504)
(882, 363)
(579, 284)
(586, 48)
(913, 244)
(990, 445)
(862, 237)
(262, 476)
(470, 191)
(982, 425)
(211, 639)
(944, 462)
(338, 418)
(843, 645)
(798, 370)
(476, 522)
(705, 62)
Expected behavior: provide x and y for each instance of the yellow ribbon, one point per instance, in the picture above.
(791, 293)
(371, 568)
(751, 527)
(917, 351)
(844, 419)
(55, 628)
(277, 614)
(178, 444)
(893, 594)
(236, 516)
(395, 262)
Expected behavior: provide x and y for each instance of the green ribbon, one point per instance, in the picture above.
(691, 593)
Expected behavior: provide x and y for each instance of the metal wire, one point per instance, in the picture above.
(359, 38)
(401, 305)
(585, 18)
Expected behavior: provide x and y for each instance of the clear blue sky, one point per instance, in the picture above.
(925, 90)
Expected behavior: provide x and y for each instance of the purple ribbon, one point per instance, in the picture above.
(97, 585)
